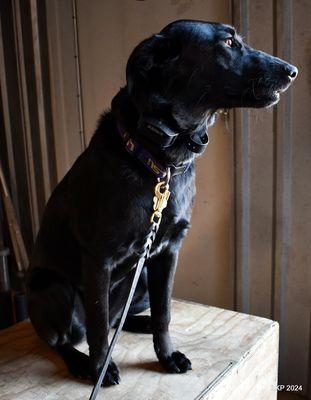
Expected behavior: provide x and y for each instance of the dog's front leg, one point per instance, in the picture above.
(161, 271)
(96, 277)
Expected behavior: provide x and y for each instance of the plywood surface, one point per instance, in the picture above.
(234, 356)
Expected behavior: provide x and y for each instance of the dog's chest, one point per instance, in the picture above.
(133, 224)
(173, 227)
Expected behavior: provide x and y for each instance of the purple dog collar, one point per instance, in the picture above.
(146, 158)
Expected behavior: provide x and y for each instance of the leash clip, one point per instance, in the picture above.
(160, 199)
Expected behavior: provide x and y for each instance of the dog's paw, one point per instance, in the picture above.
(112, 375)
(176, 363)
(79, 367)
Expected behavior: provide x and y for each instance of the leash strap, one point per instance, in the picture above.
(161, 196)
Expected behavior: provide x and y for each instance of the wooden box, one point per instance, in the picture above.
(234, 356)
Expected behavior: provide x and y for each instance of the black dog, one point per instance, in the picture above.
(99, 213)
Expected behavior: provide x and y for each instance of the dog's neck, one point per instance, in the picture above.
(126, 114)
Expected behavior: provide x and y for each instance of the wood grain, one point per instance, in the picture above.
(234, 356)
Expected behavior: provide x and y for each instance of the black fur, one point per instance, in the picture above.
(98, 214)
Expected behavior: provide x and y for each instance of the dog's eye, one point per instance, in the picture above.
(228, 42)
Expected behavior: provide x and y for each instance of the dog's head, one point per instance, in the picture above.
(198, 66)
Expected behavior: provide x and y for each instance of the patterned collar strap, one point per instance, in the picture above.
(143, 155)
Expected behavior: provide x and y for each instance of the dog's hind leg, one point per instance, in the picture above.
(133, 323)
(138, 324)
(56, 312)
(76, 361)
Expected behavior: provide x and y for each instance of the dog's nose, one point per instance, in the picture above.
(291, 71)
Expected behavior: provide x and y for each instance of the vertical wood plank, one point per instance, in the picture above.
(46, 92)
(30, 105)
(272, 189)
(7, 139)
(14, 128)
(254, 184)
(26, 119)
(242, 184)
(27, 111)
(46, 152)
(63, 84)
(261, 175)
(78, 72)
(293, 253)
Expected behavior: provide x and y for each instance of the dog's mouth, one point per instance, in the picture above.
(270, 95)
(259, 94)
(270, 92)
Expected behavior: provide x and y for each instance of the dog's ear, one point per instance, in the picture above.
(151, 54)
(161, 50)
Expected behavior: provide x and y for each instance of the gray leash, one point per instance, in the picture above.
(161, 195)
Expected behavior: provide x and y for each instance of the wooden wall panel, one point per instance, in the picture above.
(293, 197)
(28, 132)
(254, 183)
(273, 188)
(68, 134)
(12, 136)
